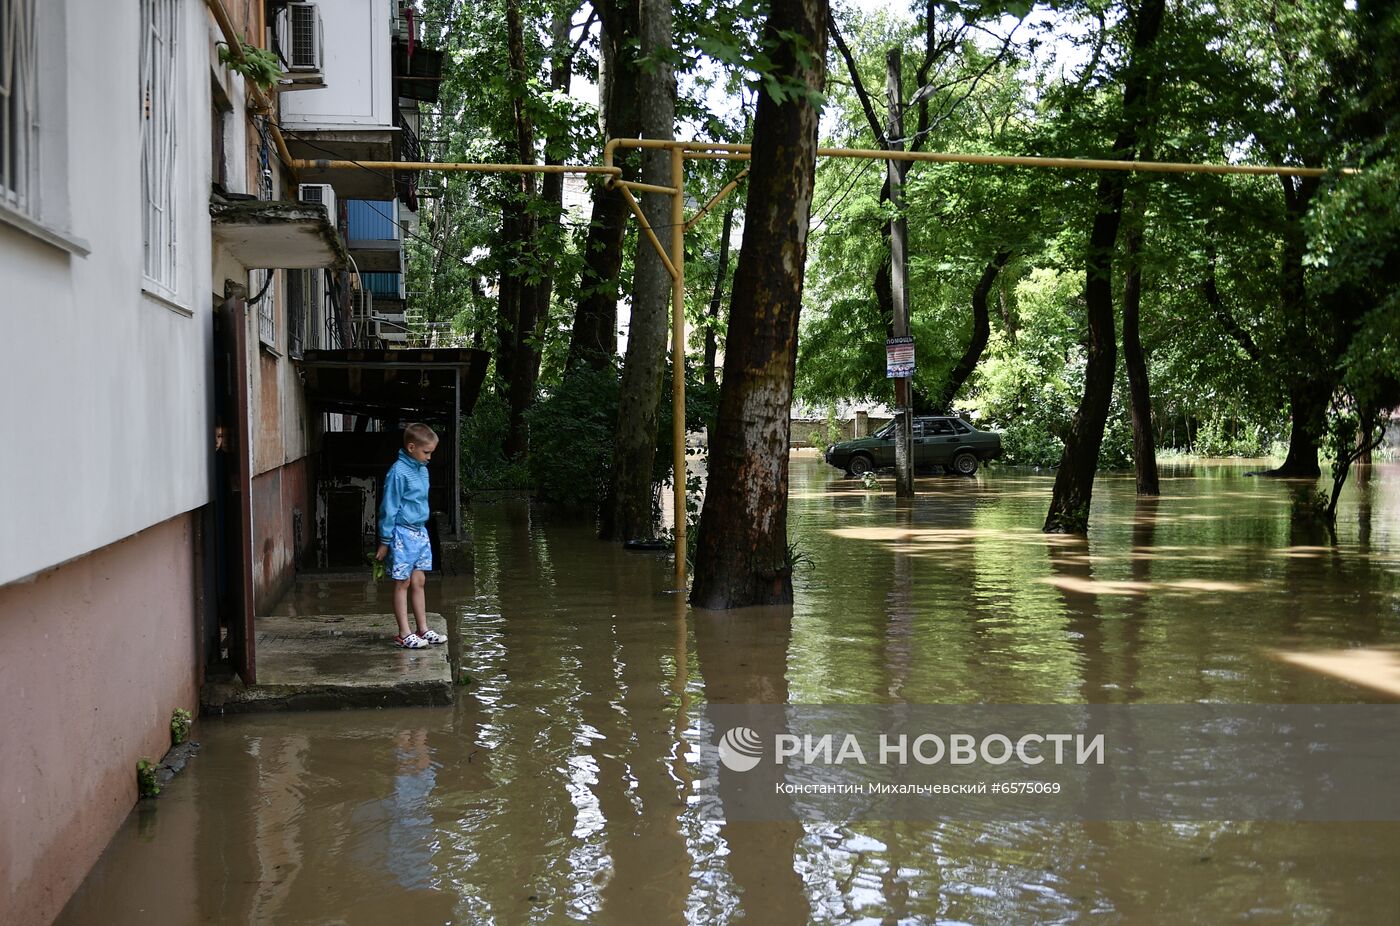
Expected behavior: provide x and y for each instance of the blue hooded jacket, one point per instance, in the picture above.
(405, 501)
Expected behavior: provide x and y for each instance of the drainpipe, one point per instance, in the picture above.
(235, 47)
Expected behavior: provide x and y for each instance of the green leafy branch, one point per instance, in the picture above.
(258, 65)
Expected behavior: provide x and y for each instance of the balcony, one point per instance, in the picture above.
(374, 237)
(263, 234)
(353, 116)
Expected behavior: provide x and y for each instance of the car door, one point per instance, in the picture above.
(884, 449)
(923, 448)
(942, 441)
(968, 436)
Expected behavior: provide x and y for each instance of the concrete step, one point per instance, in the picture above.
(333, 662)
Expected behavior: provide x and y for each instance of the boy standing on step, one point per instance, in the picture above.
(403, 518)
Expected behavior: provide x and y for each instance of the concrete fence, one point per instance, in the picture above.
(818, 432)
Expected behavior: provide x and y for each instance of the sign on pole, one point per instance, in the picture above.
(899, 357)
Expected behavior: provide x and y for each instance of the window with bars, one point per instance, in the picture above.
(19, 107)
(160, 28)
(303, 311)
(263, 285)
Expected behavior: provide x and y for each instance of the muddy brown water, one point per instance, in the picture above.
(556, 789)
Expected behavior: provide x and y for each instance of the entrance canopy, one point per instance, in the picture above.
(411, 383)
(439, 384)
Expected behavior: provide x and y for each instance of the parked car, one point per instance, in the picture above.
(942, 441)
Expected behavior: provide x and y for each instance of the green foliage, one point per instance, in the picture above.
(484, 465)
(258, 65)
(377, 569)
(147, 784)
(798, 558)
(1220, 436)
(571, 440)
(180, 723)
(1224, 336)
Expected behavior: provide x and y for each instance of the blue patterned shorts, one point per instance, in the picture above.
(409, 550)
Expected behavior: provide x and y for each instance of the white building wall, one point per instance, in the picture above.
(357, 68)
(104, 389)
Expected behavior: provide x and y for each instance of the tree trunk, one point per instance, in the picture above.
(1314, 377)
(1367, 413)
(1008, 317)
(1307, 407)
(520, 295)
(716, 298)
(1074, 481)
(561, 72)
(981, 331)
(1139, 393)
(593, 339)
(742, 556)
(627, 512)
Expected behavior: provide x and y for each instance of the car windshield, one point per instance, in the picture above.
(886, 432)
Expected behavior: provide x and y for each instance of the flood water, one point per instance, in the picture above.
(556, 789)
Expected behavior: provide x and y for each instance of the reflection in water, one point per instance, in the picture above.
(559, 786)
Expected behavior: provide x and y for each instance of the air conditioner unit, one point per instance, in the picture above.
(322, 193)
(300, 36)
(389, 332)
(362, 307)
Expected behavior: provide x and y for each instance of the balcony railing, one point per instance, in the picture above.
(406, 182)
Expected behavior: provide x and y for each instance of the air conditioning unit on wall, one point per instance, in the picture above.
(300, 37)
(362, 305)
(322, 193)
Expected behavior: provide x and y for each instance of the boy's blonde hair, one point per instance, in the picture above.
(420, 434)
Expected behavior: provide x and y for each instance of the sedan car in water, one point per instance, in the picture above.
(940, 441)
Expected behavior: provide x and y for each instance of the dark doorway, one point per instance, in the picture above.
(232, 504)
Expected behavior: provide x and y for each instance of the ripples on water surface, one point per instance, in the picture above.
(556, 789)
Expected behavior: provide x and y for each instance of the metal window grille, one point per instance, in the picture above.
(160, 28)
(298, 292)
(19, 109)
(265, 282)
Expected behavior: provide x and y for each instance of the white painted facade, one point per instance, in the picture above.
(356, 67)
(104, 387)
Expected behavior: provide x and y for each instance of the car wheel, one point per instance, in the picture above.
(860, 465)
(965, 463)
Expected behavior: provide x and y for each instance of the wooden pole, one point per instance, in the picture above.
(899, 277)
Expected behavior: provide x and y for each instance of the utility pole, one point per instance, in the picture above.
(899, 275)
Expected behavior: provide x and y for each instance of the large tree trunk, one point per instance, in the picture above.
(561, 72)
(593, 340)
(1307, 409)
(1139, 393)
(1314, 374)
(717, 298)
(1074, 481)
(627, 512)
(981, 331)
(520, 296)
(741, 556)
